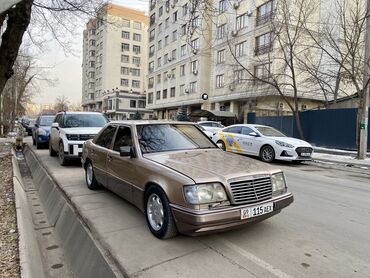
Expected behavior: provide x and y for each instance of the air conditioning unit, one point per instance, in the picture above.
(236, 5)
(173, 5)
(304, 107)
(231, 87)
(168, 9)
(169, 59)
(186, 91)
(195, 51)
(169, 75)
(280, 105)
(195, 72)
(234, 33)
(249, 13)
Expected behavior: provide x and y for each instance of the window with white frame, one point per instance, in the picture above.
(137, 25)
(165, 58)
(185, 9)
(125, 23)
(182, 70)
(221, 31)
(240, 75)
(220, 80)
(222, 6)
(151, 51)
(167, 23)
(125, 47)
(125, 58)
(241, 21)
(164, 94)
(183, 29)
(183, 50)
(195, 44)
(158, 95)
(136, 49)
(173, 92)
(174, 35)
(194, 66)
(159, 62)
(125, 35)
(166, 40)
(135, 72)
(135, 83)
(125, 70)
(264, 13)
(136, 60)
(193, 87)
(150, 82)
(262, 71)
(182, 89)
(263, 43)
(220, 56)
(195, 22)
(241, 49)
(159, 46)
(160, 27)
(151, 67)
(137, 37)
(150, 98)
(174, 54)
(159, 78)
(124, 82)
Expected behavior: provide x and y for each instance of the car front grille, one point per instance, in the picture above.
(80, 137)
(301, 150)
(251, 190)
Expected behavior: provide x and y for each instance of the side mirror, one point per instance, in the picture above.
(126, 151)
(253, 134)
(37, 125)
(219, 145)
(55, 125)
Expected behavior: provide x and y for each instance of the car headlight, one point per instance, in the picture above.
(278, 181)
(283, 144)
(205, 193)
(42, 132)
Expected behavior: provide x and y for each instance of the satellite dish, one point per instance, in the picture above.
(204, 96)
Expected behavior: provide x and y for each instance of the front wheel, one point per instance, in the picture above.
(51, 150)
(158, 213)
(62, 158)
(223, 147)
(91, 182)
(267, 153)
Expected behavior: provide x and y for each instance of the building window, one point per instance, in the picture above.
(241, 21)
(125, 35)
(183, 50)
(135, 72)
(141, 104)
(92, 32)
(195, 22)
(262, 71)
(92, 42)
(137, 37)
(132, 103)
(124, 70)
(174, 35)
(239, 75)
(159, 62)
(165, 58)
(193, 87)
(136, 49)
(91, 74)
(159, 44)
(183, 30)
(160, 11)
(173, 92)
(167, 23)
(91, 64)
(173, 73)
(136, 60)
(182, 89)
(152, 35)
(164, 94)
(195, 44)
(165, 76)
(173, 54)
(263, 44)
(159, 78)
(125, 23)
(194, 66)
(150, 82)
(124, 82)
(264, 13)
(135, 83)
(221, 56)
(221, 31)
(151, 51)
(184, 9)
(125, 58)
(166, 40)
(182, 70)
(222, 6)
(151, 67)
(213, 106)
(152, 19)
(174, 17)
(150, 98)
(240, 49)
(125, 47)
(158, 95)
(160, 27)
(220, 80)
(91, 53)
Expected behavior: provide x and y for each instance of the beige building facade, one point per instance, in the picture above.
(115, 63)
(236, 29)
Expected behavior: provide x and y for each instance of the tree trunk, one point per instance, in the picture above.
(17, 23)
(298, 123)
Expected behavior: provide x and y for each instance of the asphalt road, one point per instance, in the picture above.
(324, 233)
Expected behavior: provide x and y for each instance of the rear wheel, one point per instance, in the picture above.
(51, 151)
(91, 182)
(223, 147)
(267, 153)
(62, 158)
(33, 141)
(38, 146)
(158, 213)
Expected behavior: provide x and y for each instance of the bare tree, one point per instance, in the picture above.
(61, 103)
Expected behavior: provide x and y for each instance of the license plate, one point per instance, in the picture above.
(256, 211)
(305, 154)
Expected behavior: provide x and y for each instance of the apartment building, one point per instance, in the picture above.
(192, 53)
(115, 62)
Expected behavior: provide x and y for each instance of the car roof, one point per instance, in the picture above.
(201, 122)
(150, 122)
(79, 112)
(248, 125)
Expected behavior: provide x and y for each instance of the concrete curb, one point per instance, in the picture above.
(84, 254)
(345, 163)
(29, 252)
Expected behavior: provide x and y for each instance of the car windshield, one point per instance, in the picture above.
(46, 120)
(269, 131)
(84, 120)
(171, 137)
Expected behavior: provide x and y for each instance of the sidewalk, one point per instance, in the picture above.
(340, 157)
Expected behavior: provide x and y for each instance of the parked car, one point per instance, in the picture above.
(263, 141)
(211, 126)
(41, 130)
(206, 132)
(70, 130)
(180, 179)
(29, 125)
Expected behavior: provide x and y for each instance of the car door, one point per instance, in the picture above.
(98, 153)
(246, 141)
(230, 136)
(121, 170)
(54, 132)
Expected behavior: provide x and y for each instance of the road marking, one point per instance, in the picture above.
(268, 267)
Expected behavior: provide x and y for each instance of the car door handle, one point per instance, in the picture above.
(110, 158)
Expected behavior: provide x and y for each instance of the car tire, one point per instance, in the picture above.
(158, 213)
(90, 179)
(37, 145)
(62, 159)
(223, 145)
(33, 141)
(267, 153)
(51, 150)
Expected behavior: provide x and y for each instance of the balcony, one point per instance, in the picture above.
(263, 19)
(262, 49)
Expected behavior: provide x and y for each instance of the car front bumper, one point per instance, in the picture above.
(42, 139)
(193, 222)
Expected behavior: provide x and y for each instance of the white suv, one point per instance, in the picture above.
(70, 130)
(211, 126)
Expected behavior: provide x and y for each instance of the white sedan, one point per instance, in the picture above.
(263, 141)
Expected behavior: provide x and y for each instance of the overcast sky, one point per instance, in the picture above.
(67, 69)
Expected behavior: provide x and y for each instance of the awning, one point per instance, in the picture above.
(212, 115)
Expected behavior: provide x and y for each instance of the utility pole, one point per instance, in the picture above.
(364, 117)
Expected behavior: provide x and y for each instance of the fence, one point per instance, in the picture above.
(332, 128)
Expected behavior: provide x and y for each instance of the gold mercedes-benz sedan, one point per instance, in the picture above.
(180, 179)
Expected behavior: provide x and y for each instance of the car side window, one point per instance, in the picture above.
(206, 124)
(246, 130)
(105, 138)
(57, 119)
(123, 138)
(233, 129)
